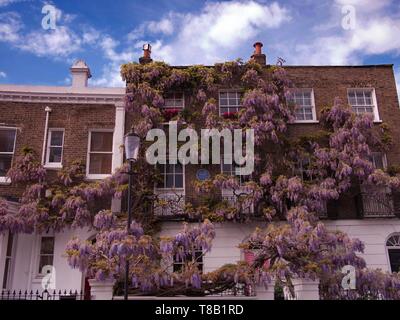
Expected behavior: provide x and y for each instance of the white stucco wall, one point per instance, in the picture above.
(373, 233)
(25, 275)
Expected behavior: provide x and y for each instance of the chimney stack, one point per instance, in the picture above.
(80, 73)
(258, 56)
(146, 54)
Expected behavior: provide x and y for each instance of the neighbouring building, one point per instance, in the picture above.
(62, 125)
(80, 122)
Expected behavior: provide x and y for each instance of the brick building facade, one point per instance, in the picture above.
(65, 124)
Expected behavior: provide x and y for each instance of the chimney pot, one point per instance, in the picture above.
(146, 54)
(258, 56)
(258, 48)
(80, 73)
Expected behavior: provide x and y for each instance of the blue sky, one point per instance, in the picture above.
(108, 33)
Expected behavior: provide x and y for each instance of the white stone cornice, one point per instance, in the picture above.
(42, 94)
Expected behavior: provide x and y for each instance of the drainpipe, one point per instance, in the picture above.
(46, 128)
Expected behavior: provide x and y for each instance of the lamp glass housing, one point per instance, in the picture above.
(132, 145)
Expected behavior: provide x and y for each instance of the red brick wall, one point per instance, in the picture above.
(329, 83)
(77, 120)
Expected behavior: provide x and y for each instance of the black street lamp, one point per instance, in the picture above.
(132, 144)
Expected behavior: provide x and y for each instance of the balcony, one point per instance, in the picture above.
(243, 207)
(376, 202)
(169, 206)
(377, 205)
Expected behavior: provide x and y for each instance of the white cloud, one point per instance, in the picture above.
(365, 5)
(10, 26)
(3, 74)
(216, 32)
(376, 33)
(56, 43)
(4, 3)
(397, 76)
(164, 26)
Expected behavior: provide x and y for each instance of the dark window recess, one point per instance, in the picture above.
(46, 252)
(394, 257)
(196, 257)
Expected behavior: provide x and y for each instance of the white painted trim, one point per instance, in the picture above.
(314, 109)
(377, 118)
(96, 176)
(173, 190)
(54, 165)
(4, 180)
(387, 250)
(49, 94)
(118, 138)
(238, 90)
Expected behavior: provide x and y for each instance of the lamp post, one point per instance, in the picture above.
(132, 144)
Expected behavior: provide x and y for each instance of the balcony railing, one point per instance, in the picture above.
(243, 206)
(377, 205)
(169, 205)
(41, 296)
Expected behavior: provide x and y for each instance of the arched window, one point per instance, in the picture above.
(393, 248)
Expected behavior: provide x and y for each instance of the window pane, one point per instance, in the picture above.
(101, 141)
(394, 256)
(47, 245)
(7, 138)
(5, 164)
(169, 183)
(55, 155)
(178, 168)
(6, 273)
(179, 181)
(45, 261)
(10, 244)
(56, 138)
(100, 163)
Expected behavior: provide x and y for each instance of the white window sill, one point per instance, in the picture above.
(305, 121)
(5, 181)
(170, 191)
(97, 176)
(53, 166)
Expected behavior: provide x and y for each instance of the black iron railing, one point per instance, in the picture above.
(43, 296)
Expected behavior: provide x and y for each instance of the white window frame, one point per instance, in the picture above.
(237, 91)
(233, 170)
(314, 112)
(38, 272)
(11, 258)
(387, 248)
(172, 190)
(5, 180)
(55, 165)
(96, 176)
(374, 101)
(182, 263)
(164, 107)
(384, 159)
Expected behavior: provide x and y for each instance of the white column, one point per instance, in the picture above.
(119, 132)
(3, 249)
(101, 290)
(306, 289)
(118, 151)
(266, 293)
